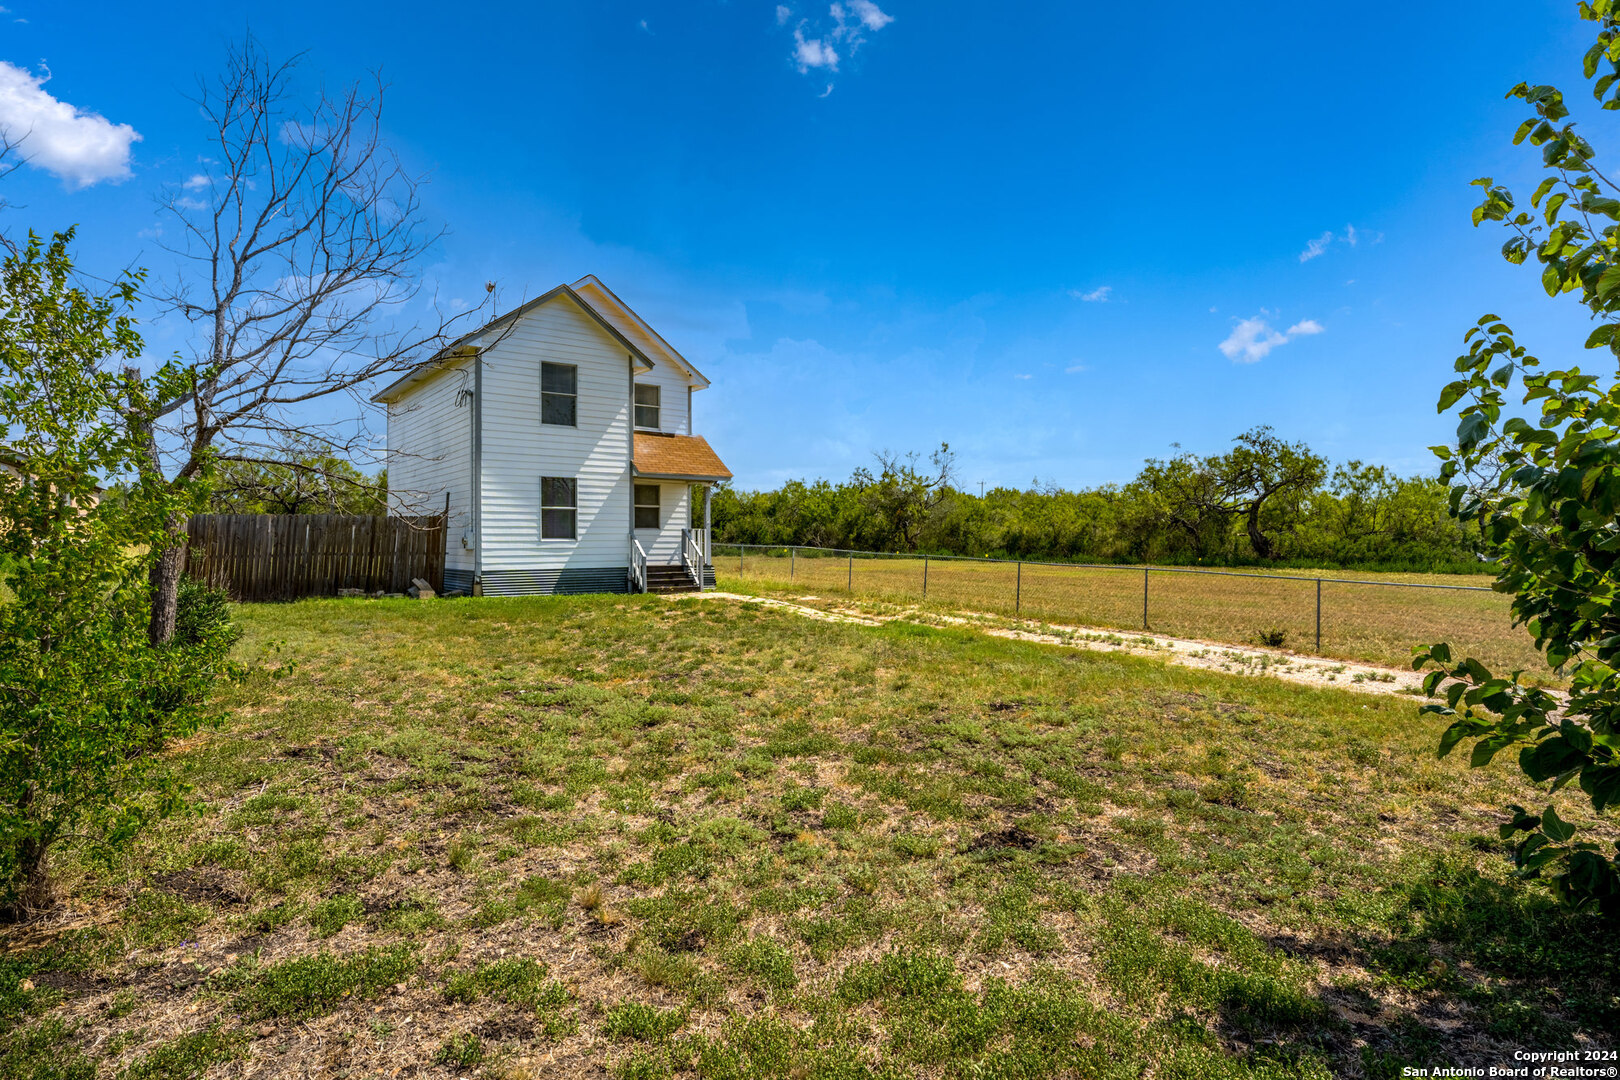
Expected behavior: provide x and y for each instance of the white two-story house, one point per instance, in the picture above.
(558, 439)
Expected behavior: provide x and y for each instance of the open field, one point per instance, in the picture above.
(609, 836)
(1373, 623)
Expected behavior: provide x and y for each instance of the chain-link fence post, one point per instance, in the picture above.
(1018, 590)
(793, 562)
(741, 548)
(1144, 598)
(850, 584)
(925, 577)
(1319, 615)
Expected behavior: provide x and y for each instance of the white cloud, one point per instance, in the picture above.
(813, 52)
(81, 147)
(1252, 339)
(1351, 236)
(1023, 376)
(819, 46)
(1316, 247)
(870, 15)
(1074, 369)
(196, 182)
(1098, 295)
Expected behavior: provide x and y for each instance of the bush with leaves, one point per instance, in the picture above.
(86, 704)
(1545, 491)
(203, 616)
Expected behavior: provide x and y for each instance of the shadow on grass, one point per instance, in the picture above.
(1501, 957)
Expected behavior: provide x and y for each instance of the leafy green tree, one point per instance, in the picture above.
(86, 703)
(1186, 508)
(1187, 496)
(304, 479)
(902, 498)
(1546, 491)
(1262, 482)
(1266, 478)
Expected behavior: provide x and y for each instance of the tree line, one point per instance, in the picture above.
(1264, 501)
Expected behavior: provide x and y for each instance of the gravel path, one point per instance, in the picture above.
(1211, 655)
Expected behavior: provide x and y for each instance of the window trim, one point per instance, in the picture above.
(657, 506)
(573, 509)
(657, 407)
(544, 393)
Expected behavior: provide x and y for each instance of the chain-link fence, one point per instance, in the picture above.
(1344, 618)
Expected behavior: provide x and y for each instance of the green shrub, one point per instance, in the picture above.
(203, 615)
(89, 703)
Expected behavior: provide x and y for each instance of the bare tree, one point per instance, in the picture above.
(301, 241)
(11, 159)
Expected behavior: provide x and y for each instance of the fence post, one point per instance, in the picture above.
(1018, 590)
(793, 562)
(740, 549)
(1144, 597)
(850, 584)
(925, 577)
(1319, 615)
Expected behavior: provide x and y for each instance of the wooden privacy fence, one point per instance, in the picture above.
(286, 556)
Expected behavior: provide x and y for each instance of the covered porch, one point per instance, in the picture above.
(670, 551)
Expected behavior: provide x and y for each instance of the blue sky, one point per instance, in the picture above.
(1027, 229)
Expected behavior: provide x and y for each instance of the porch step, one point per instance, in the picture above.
(669, 579)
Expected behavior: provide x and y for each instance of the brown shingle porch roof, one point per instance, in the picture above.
(677, 457)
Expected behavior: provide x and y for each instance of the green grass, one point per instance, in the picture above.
(702, 839)
(189, 1056)
(315, 985)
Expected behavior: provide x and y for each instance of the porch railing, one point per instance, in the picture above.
(638, 566)
(692, 556)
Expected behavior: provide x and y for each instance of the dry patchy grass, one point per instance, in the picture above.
(620, 837)
(1368, 622)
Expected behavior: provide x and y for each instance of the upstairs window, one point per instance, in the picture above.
(559, 502)
(559, 394)
(647, 397)
(647, 516)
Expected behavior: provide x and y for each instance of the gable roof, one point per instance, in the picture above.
(634, 326)
(461, 348)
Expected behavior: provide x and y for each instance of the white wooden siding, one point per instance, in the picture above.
(672, 415)
(663, 544)
(430, 454)
(518, 450)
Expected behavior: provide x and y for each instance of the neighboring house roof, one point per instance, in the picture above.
(457, 350)
(677, 457)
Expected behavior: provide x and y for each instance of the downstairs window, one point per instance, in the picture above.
(647, 506)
